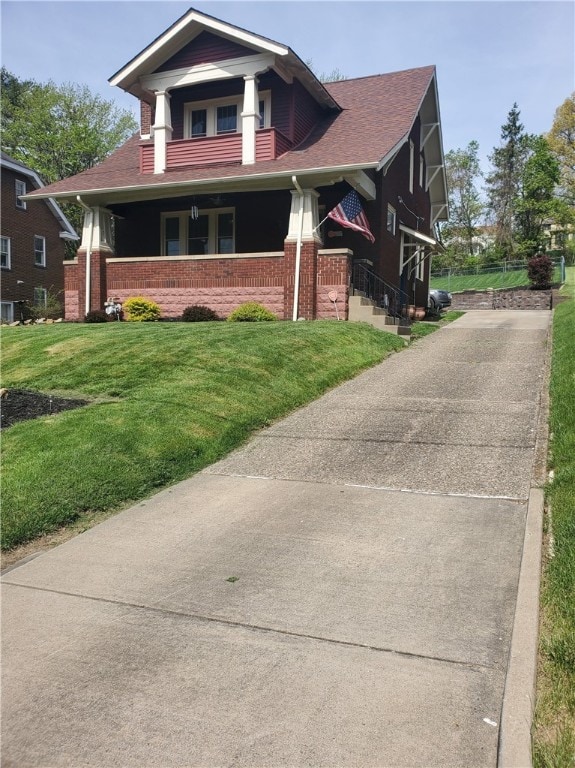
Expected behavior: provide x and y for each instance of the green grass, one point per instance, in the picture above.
(485, 279)
(554, 724)
(167, 400)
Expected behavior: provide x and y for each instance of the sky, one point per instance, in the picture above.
(489, 54)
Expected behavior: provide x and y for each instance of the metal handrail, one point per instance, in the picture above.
(385, 295)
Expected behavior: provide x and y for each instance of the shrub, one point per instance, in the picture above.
(540, 271)
(251, 312)
(199, 314)
(96, 316)
(51, 308)
(138, 309)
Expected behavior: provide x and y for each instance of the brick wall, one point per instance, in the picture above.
(221, 284)
(21, 226)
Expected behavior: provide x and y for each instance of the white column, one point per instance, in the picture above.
(310, 216)
(162, 130)
(250, 119)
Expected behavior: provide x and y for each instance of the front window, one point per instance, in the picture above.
(222, 116)
(20, 188)
(5, 256)
(39, 251)
(211, 232)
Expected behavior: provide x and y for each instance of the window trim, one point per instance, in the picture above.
(211, 107)
(183, 216)
(20, 185)
(42, 262)
(421, 170)
(411, 164)
(8, 240)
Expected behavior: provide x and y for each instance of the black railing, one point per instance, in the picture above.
(383, 294)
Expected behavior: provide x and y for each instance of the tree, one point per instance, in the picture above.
(326, 77)
(60, 131)
(504, 181)
(561, 140)
(465, 205)
(536, 204)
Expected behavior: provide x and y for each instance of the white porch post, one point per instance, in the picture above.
(308, 220)
(162, 130)
(250, 119)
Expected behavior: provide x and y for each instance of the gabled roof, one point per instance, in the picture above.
(68, 233)
(377, 116)
(190, 26)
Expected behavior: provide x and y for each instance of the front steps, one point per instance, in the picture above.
(364, 310)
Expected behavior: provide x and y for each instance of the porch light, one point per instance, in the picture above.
(194, 213)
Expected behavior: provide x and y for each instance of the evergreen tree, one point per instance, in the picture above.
(504, 181)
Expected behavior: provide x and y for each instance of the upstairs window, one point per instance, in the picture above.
(221, 116)
(20, 187)
(391, 219)
(39, 251)
(411, 164)
(212, 232)
(421, 170)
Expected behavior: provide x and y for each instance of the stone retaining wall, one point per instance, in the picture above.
(519, 298)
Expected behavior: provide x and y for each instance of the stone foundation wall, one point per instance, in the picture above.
(520, 298)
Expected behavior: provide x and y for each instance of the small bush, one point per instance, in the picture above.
(138, 309)
(199, 314)
(540, 271)
(96, 316)
(251, 312)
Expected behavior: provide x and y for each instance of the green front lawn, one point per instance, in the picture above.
(166, 400)
(554, 727)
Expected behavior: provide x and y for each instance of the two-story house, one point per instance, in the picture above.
(223, 196)
(32, 242)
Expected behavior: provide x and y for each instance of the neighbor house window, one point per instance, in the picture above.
(221, 116)
(213, 231)
(411, 164)
(5, 257)
(39, 251)
(20, 187)
(391, 219)
(40, 297)
(7, 312)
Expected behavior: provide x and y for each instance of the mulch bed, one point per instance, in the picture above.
(22, 404)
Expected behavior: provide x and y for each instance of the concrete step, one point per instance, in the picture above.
(363, 310)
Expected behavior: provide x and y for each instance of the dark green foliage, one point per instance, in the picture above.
(96, 316)
(197, 313)
(540, 271)
(251, 312)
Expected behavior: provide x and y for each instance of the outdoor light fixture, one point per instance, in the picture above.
(194, 213)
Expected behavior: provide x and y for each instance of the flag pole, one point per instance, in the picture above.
(321, 222)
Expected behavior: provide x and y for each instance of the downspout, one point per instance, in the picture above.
(297, 250)
(88, 252)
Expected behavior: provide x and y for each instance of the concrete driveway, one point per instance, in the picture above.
(339, 592)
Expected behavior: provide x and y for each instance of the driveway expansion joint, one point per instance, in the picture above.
(474, 666)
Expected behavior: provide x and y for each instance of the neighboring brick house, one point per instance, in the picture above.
(32, 242)
(242, 153)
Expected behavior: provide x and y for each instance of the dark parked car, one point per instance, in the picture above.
(438, 300)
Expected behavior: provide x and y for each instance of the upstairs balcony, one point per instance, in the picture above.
(227, 148)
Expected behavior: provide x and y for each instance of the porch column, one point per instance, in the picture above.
(302, 239)
(95, 248)
(162, 130)
(250, 119)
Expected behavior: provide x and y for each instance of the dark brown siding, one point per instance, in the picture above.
(204, 49)
(21, 226)
(306, 113)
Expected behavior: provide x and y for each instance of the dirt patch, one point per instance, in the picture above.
(22, 404)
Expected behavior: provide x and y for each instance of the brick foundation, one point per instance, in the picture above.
(219, 283)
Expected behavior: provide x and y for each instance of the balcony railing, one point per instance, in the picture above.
(227, 148)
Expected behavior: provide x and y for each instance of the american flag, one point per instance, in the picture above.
(349, 213)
